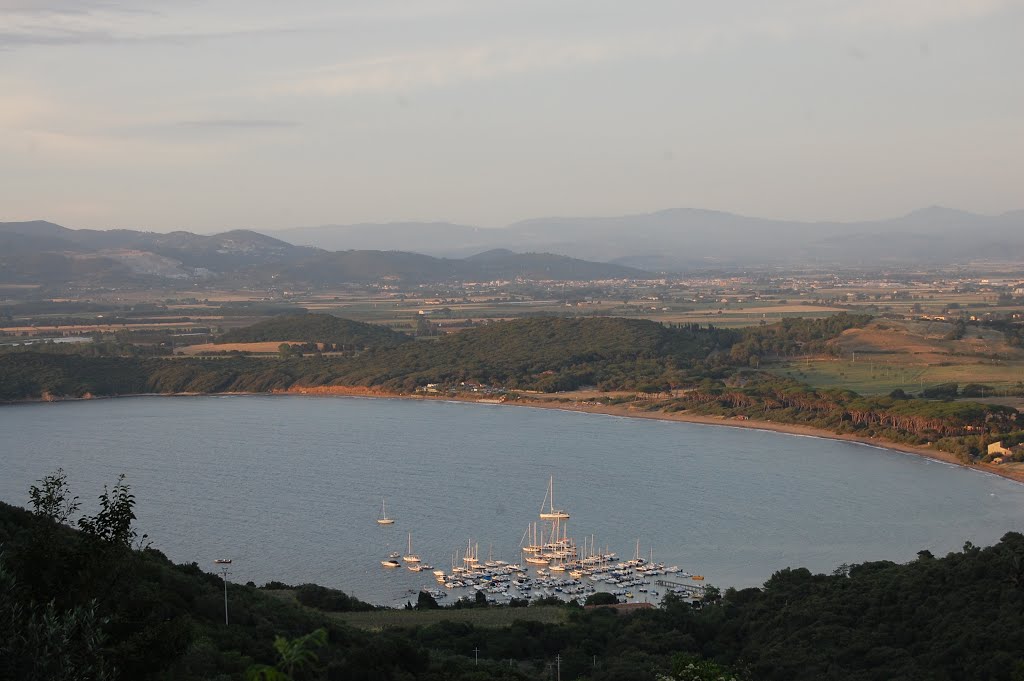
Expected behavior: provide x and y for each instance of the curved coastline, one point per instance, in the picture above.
(540, 402)
(625, 411)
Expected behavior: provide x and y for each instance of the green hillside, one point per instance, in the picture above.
(545, 354)
(316, 328)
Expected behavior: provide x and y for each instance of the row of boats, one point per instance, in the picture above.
(503, 582)
(562, 568)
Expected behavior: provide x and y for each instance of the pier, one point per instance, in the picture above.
(692, 589)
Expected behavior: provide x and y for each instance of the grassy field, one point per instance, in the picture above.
(910, 355)
(883, 374)
(266, 347)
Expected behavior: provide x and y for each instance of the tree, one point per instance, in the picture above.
(958, 330)
(53, 500)
(294, 655)
(601, 598)
(113, 524)
(427, 602)
(44, 643)
(712, 594)
(943, 391)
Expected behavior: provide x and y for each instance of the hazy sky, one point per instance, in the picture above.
(214, 115)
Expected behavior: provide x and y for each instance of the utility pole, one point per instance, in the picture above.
(224, 564)
(558, 668)
(476, 653)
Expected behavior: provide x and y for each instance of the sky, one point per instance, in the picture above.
(207, 116)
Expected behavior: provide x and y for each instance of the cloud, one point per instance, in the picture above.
(94, 22)
(439, 68)
(911, 14)
(21, 108)
(238, 123)
(670, 33)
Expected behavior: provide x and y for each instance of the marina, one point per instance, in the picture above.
(551, 567)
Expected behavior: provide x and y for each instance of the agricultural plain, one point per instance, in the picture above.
(911, 355)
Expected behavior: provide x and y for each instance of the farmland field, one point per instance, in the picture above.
(910, 355)
(265, 347)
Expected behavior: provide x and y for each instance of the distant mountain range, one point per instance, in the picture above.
(686, 238)
(633, 246)
(498, 264)
(45, 253)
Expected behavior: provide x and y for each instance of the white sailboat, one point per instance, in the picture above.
(410, 557)
(534, 555)
(552, 513)
(384, 519)
(530, 536)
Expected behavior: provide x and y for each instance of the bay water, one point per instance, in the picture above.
(289, 488)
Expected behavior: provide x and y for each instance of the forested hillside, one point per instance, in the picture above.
(794, 336)
(546, 354)
(316, 328)
(530, 354)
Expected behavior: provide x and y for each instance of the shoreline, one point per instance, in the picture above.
(543, 402)
(791, 429)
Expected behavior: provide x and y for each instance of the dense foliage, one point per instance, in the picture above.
(962, 428)
(547, 354)
(530, 354)
(316, 328)
(794, 336)
(94, 604)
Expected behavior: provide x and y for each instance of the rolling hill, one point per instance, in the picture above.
(688, 238)
(316, 328)
(369, 266)
(45, 253)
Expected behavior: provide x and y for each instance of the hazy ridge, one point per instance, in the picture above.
(686, 238)
(44, 252)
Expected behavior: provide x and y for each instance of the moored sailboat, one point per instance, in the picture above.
(552, 513)
(410, 557)
(384, 519)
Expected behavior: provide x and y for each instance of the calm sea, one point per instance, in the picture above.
(290, 487)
